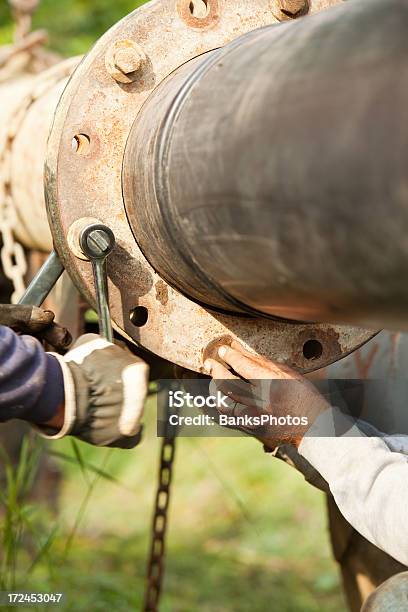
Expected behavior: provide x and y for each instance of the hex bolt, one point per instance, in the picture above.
(98, 241)
(128, 60)
(290, 9)
(124, 61)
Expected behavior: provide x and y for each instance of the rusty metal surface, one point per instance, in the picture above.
(385, 357)
(87, 183)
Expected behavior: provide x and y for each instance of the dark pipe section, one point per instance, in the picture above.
(271, 177)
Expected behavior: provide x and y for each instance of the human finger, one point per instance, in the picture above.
(216, 370)
(243, 365)
(254, 367)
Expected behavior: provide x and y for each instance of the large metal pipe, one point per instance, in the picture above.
(271, 176)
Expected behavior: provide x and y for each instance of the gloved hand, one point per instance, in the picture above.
(35, 322)
(105, 391)
(259, 387)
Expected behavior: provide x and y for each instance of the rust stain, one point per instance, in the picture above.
(184, 9)
(393, 353)
(211, 350)
(330, 348)
(363, 365)
(162, 292)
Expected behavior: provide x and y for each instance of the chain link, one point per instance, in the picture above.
(13, 257)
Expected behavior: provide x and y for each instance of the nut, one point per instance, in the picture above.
(128, 60)
(99, 241)
(290, 9)
(124, 61)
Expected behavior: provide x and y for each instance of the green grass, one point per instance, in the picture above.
(246, 533)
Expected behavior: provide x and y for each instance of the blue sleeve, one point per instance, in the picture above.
(31, 381)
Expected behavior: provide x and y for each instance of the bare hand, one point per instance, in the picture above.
(257, 386)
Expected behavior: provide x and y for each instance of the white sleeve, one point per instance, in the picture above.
(368, 481)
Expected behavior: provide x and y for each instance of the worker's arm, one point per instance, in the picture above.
(31, 381)
(95, 392)
(368, 481)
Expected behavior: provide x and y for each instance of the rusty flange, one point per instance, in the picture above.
(83, 179)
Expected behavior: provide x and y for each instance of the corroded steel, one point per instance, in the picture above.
(87, 183)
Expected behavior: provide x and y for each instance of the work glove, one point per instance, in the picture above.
(105, 391)
(35, 322)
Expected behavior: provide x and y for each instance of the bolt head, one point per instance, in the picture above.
(124, 61)
(99, 242)
(290, 9)
(128, 60)
(96, 241)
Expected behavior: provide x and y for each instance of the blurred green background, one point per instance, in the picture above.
(246, 532)
(73, 25)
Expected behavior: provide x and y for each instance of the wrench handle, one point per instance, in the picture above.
(102, 298)
(43, 281)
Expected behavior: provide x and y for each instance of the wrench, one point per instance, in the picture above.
(97, 241)
(43, 281)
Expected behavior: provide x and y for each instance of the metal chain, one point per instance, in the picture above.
(155, 567)
(13, 258)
